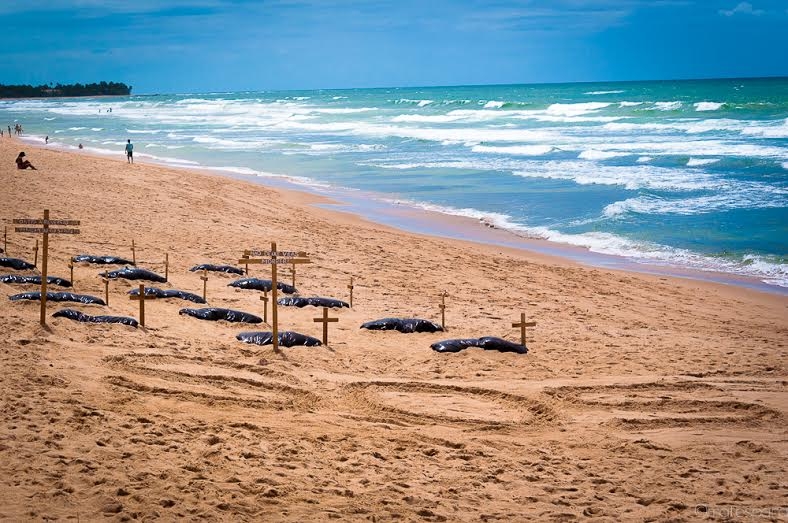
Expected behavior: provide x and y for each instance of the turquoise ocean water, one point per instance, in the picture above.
(683, 174)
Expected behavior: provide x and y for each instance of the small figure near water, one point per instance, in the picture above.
(130, 151)
(46, 140)
(80, 146)
(22, 163)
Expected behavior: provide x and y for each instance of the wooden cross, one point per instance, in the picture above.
(204, 279)
(274, 258)
(264, 299)
(325, 320)
(35, 255)
(141, 297)
(133, 254)
(46, 231)
(351, 291)
(523, 324)
(442, 307)
(106, 289)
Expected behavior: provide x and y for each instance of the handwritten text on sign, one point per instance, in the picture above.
(39, 221)
(51, 231)
(283, 254)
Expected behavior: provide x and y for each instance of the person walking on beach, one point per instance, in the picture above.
(46, 140)
(21, 163)
(130, 151)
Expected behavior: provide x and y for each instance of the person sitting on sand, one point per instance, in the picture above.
(21, 163)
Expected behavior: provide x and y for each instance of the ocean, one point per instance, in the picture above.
(684, 175)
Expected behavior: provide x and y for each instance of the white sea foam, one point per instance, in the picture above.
(419, 103)
(708, 106)
(593, 154)
(667, 106)
(594, 93)
(742, 195)
(493, 104)
(49, 119)
(577, 109)
(144, 131)
(77, 128)
(629, 104)
(521, 150)
(644, 159)
(428, 118)
(633, 177)
(698, 162)
(767, 130)
(96, 129)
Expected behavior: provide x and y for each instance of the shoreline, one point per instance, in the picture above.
(410, 218)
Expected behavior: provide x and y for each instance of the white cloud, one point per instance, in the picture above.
(744, 8)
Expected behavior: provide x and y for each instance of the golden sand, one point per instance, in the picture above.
(641, 397)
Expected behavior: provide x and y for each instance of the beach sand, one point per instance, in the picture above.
(641, 398)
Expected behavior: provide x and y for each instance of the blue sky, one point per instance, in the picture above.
(179, 46)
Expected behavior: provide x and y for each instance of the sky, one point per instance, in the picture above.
(199, 46)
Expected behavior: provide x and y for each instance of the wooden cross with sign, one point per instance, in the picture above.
(325, 320)
(46, 231)
(141, 297)
(274, 258)
(523, 324)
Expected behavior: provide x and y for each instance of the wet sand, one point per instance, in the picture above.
(642, 396)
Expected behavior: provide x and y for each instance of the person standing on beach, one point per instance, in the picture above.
(46, 140)
(129, 151)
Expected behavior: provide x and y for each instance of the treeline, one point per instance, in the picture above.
(99, 89)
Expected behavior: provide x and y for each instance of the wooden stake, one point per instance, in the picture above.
(274, 325)
(141, 298)
(443, 309)
(71, 268)
(264, 299)
(142, 304)
(351, 291)
(293, 269)
(523, 324)
(204, 279)
(166, 267)
(133, 255)
(44, 260)
(325, 320)
(106, 289)
(5, 239)
(35, 255)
